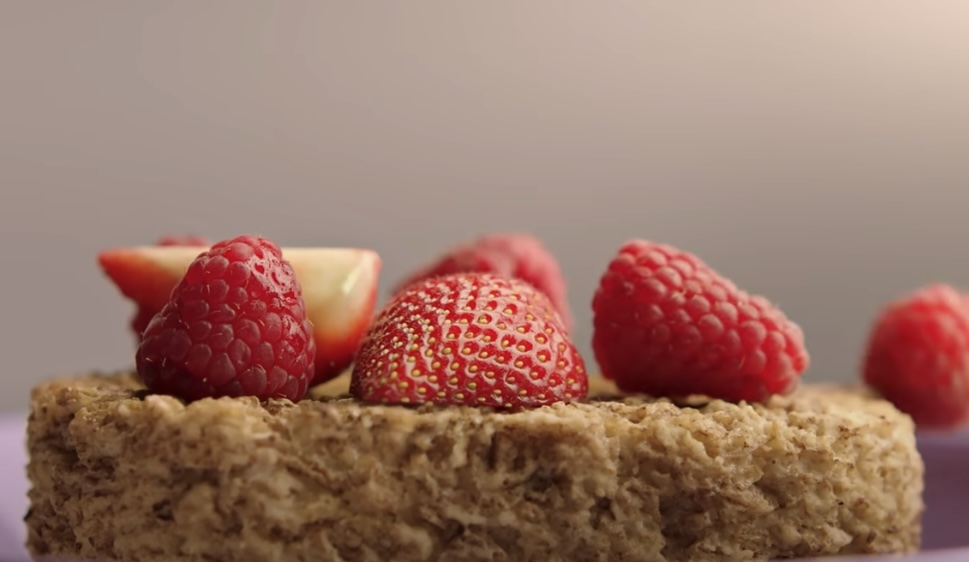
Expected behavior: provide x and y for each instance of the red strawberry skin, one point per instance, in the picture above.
(515, 255)
(236, 325)
(470, 339)
(666, 324)
(917, 356)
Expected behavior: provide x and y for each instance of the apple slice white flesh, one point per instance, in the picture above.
(339, 288)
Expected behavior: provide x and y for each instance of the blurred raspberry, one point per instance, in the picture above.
(519, 256)
(918, 356)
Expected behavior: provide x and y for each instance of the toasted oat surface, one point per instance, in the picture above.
(120, 475)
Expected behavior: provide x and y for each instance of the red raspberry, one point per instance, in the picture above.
(236, 325)
(471, 339)
(918, 356)
(143, 314)
(666, 324)
(140, 321)
(520, 256)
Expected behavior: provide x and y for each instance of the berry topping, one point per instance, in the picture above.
(666, 324)
(140, 321)
(144, 313)
(520, 256)
(918, 356)
(236, 325)
(471, 339)
(339, 288)
(188, 240)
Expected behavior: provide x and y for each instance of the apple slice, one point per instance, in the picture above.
(339, 289)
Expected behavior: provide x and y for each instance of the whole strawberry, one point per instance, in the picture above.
(144, 314)
(471, 339)
(235, 325)
(520, 256)
(918, 356)
(665, 324)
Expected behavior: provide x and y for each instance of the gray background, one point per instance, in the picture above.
(815, 152)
